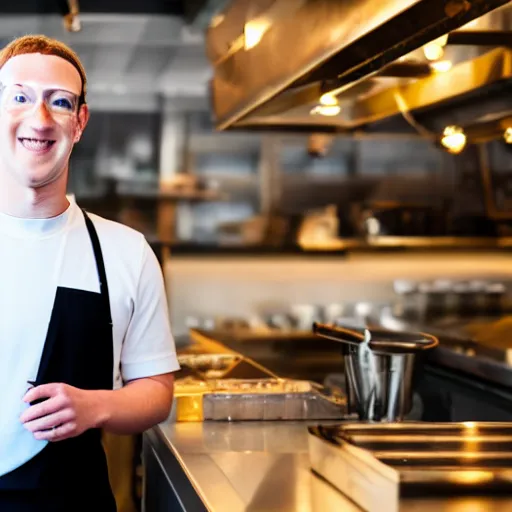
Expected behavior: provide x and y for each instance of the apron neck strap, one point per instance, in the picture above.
(100, 265)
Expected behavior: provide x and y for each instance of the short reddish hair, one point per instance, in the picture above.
(46, 46)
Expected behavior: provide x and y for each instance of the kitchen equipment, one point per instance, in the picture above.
(230, 387)
(379, 367)
(394, 218)
(271, 399)
(255, 399)
(210, 366)
(378, 465)
(355, 51)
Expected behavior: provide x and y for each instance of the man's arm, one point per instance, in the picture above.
(148, 359)
(137, 406)
(68, 411)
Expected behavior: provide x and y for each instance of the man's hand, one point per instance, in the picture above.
(66, 412)
(137, 406)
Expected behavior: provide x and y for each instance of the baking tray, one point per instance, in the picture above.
(230, 387)
(382, 463)
(255, 399)
(271, 399)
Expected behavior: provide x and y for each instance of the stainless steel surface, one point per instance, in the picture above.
(343, 47)
(477, 75)
(379, 367)
(265, 467)
(375, 463)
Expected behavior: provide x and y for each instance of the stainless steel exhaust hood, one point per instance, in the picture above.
(273, 60)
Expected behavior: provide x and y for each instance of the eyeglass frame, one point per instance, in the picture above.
(77, 99)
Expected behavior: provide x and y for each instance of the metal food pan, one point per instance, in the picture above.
(417, 432)
(210, 365)
(294, 405)
(374, 464)
(435, 444)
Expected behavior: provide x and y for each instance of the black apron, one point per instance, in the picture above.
(71, 474)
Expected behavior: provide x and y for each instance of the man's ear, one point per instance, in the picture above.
(83, 118)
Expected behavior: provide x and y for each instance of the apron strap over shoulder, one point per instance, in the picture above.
(100, 265)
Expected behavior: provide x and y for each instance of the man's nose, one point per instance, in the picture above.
(42, 117)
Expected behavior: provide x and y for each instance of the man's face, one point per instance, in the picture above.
(39, 117)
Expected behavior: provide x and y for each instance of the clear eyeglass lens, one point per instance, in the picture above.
(24, 99)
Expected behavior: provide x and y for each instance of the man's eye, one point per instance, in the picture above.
(63, 103)
(20, 98)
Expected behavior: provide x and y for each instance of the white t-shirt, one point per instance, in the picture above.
(36, 256)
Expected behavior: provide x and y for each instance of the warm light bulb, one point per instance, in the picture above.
(454, 139)
(441, 66)
(433, 51)
(326, 110)
(328, 99)
(254, 30)
(507, 135)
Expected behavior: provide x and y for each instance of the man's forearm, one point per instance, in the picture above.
(136, 407)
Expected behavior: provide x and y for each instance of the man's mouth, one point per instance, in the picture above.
(36, 145)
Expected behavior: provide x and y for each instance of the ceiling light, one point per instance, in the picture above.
(328, 99)
(254, 30)
(72, 19)
(507, 135)
(454, 139)
(326, 110)
(435, 49)
(441, 66)
(72, 23)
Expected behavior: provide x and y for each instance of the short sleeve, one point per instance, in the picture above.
(148, 348)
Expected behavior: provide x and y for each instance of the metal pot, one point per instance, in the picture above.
(379, 368)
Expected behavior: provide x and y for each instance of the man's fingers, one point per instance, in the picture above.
(42, 391)
(49, 421)
(58, 433)
(45, 408)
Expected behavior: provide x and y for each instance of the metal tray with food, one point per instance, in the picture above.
(255, 399)
(383, 463)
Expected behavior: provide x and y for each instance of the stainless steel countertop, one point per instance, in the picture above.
(264, 467)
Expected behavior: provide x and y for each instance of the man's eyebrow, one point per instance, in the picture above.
(49, 90)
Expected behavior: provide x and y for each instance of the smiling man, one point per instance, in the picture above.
(85, 341)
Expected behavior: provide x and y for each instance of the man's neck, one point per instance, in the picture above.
(32, 203)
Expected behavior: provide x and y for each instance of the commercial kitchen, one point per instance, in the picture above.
(328, 188)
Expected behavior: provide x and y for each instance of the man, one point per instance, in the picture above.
(85, 342)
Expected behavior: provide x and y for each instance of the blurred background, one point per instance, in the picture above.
(268, 170)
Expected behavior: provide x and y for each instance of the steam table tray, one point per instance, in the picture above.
(376, 465)
(229, 387)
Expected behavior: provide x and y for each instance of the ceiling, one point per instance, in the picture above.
(189, 8)
(133, 51)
